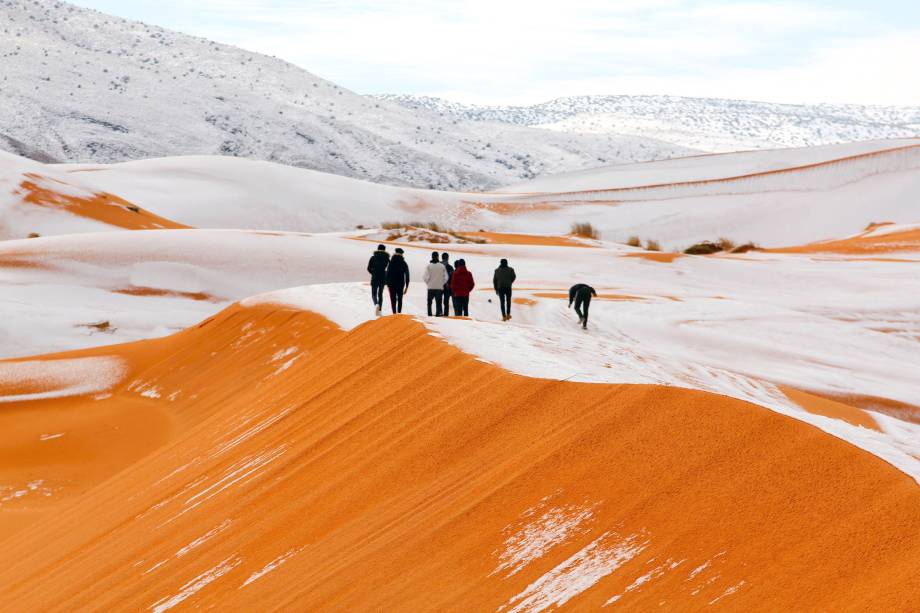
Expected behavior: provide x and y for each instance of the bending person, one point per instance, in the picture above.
(581, 294)
(397, 280)
(502, 281)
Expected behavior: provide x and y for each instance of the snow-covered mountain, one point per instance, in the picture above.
(77, 85)
(709, 124)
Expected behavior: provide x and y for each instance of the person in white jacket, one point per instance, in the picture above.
(435, 278)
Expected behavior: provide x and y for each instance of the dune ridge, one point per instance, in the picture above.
(385, 469)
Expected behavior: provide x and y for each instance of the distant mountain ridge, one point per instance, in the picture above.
(710, 124)
(77, 85)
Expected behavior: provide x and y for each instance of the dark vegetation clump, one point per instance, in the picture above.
(584, 229)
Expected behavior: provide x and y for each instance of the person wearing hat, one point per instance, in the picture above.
(397, 279)
(377, 267)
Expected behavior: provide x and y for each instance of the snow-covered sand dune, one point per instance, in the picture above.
(272, 444)
(776, 198)
(42, 199)
(305, 468)
(743, 326)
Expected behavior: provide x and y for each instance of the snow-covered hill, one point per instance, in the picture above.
(709, 124)
(775, 198)
(81, 86)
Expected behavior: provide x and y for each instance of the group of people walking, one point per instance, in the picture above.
(446, 284)
(452, 284)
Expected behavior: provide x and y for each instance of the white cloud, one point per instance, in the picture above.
(525, 50)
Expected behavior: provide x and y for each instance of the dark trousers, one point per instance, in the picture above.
(436, 295)
(504, 297)
(396, 294)
(462, 306)
(377, 292)
(447, 296)
(582, 304)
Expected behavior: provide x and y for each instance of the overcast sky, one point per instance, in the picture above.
(526, 51)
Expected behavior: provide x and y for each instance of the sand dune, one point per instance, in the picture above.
(829, 191)
(40, 199)
(885, 238)
(385, 470)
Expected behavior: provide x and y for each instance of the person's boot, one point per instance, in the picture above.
(377, 311)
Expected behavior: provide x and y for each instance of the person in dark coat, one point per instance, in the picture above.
(502, 281)
(377, 267)
(445, 260)
(581, 295)
(461, 284)
(397, 280)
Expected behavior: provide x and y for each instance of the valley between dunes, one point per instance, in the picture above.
(387, 470)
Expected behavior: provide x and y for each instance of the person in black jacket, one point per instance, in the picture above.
(397, 280)
(581, 294)
(502, 281)
(377, 267)
(445, 260)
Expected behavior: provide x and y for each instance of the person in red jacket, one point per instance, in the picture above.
(461, 284)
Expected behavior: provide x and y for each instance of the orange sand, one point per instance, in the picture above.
(656, 256)
(527, 239)
(514, 208)
(153, 291)
(103, 207)
(818, 405)
(908, 240)
(386, 471)
(886, 406)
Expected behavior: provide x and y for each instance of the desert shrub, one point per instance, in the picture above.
(726, 244)
(652, 245)
(585, 230)
(34, 234)
(427, 225)
(634, 241)
(391, 225)
(703, 248)
(748, 246)
(133, 208)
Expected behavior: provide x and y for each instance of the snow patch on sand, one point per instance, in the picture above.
(271, 566)
(196, 585)
(60, 378)
(532, 540)
(578, 573)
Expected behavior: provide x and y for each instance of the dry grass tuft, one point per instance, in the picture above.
(584, 229)
(748, 246)
(703, 248)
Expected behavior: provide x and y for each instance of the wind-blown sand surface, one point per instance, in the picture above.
(738, 431)
(384, 469)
